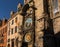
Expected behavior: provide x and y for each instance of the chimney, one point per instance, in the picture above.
(4, 21)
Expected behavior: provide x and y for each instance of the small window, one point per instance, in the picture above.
(11, 31)
(17, 42)
(12, 43)
(8, 40)
(9, 24)
(1, 41)
(8, 45)
(12, 22)
(15, 29)
(16, 19)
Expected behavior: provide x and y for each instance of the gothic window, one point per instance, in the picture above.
(55, 5)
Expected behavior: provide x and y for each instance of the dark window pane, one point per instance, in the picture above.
(15, 29)
(12, 21)
(16, 19)
(11, 31)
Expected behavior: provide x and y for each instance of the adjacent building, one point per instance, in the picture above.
(3, 33)
(14, 32)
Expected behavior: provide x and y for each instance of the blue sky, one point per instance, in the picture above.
(8, 5)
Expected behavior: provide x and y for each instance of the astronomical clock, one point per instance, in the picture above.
(28, 37)
(28, 13)
(29, 25)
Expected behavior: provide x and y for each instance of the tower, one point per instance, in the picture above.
(44, 25)
(28, 24)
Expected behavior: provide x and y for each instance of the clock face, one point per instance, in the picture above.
(28, 37)
(28, 23)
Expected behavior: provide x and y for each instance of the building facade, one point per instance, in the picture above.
(36, 24)
(14, 33)
(3, 33)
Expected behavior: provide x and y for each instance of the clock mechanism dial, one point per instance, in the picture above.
(28, 37)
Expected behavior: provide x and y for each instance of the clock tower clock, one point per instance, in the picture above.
(29, 26)
(28, 13)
